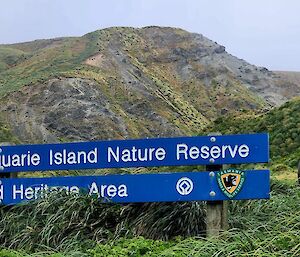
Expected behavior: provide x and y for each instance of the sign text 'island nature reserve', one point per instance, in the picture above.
(179, 151)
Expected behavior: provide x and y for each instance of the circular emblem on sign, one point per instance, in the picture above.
(184, 186)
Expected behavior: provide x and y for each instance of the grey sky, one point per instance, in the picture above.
(263, 32)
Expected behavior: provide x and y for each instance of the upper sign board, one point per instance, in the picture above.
(202, 150)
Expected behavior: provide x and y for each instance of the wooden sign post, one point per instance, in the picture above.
(216, 211)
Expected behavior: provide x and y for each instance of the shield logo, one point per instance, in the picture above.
(231, 181)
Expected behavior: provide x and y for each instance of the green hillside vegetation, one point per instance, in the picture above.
(283, 125)
(6, 135)
(39, 62)
(10, 57)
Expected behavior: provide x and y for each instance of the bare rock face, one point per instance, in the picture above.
(218, 65)
(76, 109)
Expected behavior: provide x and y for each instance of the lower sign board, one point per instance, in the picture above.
(163, 187)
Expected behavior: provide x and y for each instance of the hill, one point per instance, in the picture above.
(127, 83)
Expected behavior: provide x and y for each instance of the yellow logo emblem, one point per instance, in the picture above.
(231, 181)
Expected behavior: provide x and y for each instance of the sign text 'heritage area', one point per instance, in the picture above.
(163, 187)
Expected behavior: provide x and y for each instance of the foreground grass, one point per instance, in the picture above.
(258, 228)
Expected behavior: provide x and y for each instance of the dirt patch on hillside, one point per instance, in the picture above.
(96, 60)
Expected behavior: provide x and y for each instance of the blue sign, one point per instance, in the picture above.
(202, 150)
(164, 187)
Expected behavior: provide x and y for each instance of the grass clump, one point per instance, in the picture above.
(78, 222)
(59, 222)
(131, 247)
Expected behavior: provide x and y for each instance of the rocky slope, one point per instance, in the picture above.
(125, 83)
